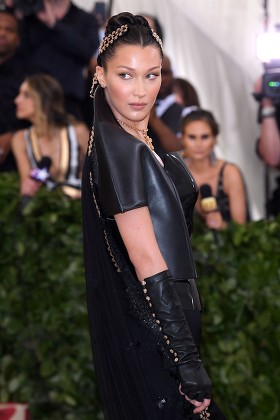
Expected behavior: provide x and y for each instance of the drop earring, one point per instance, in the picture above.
(213, 158)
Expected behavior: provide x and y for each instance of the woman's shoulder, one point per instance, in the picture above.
(232, 174)
(18, 136)
(81, 129)
(18, 144)
(79, 126)
(82, 133)
(231, 168)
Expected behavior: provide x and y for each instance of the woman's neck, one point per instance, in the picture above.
(200, 165)
(44, 131)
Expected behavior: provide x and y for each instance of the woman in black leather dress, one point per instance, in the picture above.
(143, 304)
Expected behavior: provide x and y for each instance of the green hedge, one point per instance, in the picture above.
(45, 355)
(240, 286)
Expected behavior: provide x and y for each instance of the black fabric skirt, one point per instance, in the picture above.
(135, 374)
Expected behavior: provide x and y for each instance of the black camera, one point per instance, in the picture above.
(29, 7)
(268, 51)
(271, 81)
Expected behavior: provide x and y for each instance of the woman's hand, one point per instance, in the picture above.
(199, 406)
(29, 187)
(214, 220)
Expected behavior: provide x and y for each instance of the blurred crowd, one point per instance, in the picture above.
(48, 52)
(45, 53)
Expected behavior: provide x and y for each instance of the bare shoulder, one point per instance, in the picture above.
(18, 139)
(82, 133)
(81, 129)
(232, 169)
(232, 175)
(19, 135)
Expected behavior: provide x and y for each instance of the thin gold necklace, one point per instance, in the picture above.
(144, 131)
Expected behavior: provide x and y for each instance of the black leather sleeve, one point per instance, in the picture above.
(118, 174)
(120, 178)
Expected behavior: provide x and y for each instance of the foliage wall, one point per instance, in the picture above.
(45, 355)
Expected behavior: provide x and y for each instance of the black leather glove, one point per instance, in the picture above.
(161, 292)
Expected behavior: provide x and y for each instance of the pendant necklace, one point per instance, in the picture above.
(144, 131)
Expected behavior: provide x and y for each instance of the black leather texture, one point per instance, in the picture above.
(166, 304)
(129, 176)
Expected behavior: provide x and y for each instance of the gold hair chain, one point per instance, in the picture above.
(144, 131)
(110, 38)
(205, 415)
(157, 38)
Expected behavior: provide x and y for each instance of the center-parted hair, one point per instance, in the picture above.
(137, 32)
(48, 95)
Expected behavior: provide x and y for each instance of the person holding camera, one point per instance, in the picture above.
(268, 145)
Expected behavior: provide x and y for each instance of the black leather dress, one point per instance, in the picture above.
(135, 373)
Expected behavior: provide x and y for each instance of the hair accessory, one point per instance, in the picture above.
(93, 85)
(109, 39)
(205, 415)
(157, 38)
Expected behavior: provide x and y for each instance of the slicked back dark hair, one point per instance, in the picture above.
(138, 33)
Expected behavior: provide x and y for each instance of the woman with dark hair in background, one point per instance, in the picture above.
(53, 134)
(143, 305)
(199, 137)
(185, 92)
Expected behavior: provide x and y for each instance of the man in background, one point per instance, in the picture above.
(12, 73)
(60, 40)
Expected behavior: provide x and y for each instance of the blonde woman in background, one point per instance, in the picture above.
(53, 134)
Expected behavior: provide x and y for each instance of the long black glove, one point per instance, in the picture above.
(161, 293)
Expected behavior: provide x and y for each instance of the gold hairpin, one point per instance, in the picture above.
(109, 39)
(157, 38)
(94, 83)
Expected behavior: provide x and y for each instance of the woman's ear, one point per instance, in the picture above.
(99, 71)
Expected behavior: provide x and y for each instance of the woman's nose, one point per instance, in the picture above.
(140, 89)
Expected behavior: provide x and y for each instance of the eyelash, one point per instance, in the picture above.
(149, 76)
(202, 138)
(154, 75)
